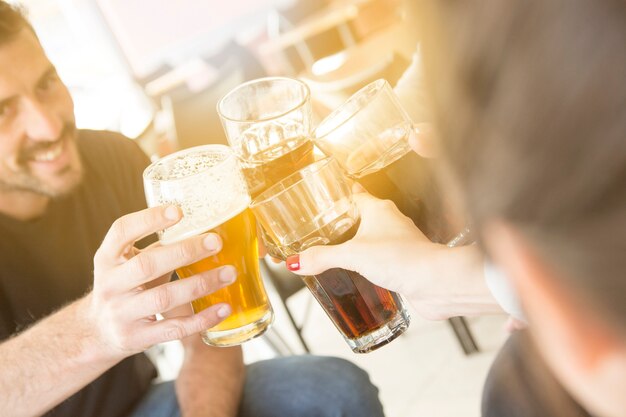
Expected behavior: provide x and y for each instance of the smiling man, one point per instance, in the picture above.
(78, 300)
(39, 154)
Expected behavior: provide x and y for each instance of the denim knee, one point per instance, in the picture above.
(308, 386)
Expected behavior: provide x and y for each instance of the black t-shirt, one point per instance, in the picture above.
(48, 262)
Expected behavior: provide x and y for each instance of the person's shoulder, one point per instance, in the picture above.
(101, 147)
(98, 142)
(109, 153)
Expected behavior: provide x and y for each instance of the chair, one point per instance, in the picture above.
(286, 284)
(372, 44)
(194, 92)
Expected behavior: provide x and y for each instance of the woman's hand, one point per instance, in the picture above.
(388, 249)
(422, 140)
(386, 242)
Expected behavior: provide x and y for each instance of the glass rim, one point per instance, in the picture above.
(271, 193)
(307, 96)
(375, 86)
(223, 149)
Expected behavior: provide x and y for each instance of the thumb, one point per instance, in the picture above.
(317, 259)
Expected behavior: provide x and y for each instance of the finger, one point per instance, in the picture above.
(160, 260)
(364, 201)
(318, 259)
(513, 325)
(358, 188)
(262, 249)
(422, 140)
(126, 230)
(173, 294)
(180, 327)
(275, 260)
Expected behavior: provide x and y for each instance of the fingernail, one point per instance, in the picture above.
(293, 262)
(172, 213)
(223, 311)
(227, 274)
(211, 242)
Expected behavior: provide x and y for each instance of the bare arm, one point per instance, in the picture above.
(452, 285)
(45, 364)
(51, 361)
(210, 381)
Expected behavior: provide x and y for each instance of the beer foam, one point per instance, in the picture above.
(200, 218)
(208, 186)
(185, 165)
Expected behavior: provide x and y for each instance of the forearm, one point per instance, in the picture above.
(456, 285)
(210, 381)
(50, 361)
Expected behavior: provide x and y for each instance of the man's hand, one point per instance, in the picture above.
(122, 307)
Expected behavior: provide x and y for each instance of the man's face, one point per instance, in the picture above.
(38, 153)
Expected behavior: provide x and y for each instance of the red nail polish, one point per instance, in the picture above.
(293, 262)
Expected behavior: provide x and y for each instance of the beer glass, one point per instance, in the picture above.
(314, 206)
(268, 125)
(368, 135)
(207, 184)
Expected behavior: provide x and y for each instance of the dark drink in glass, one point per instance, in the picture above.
(368, 135)
(411, 184)
(313, 207)
(357, 307)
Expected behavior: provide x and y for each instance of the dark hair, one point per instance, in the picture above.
(529, 97)
(12, 21)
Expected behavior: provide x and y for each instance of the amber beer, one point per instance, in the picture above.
(250, 306)
(357, 307)
(206, 182)
(270, 166)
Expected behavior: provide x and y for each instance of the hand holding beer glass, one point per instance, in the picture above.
(207, 184)
(314, 206)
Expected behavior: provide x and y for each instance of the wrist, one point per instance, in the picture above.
(450, 283)
(93, 345)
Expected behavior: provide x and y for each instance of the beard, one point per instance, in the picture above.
(63, 182)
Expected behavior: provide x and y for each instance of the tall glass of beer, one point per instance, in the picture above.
(314, 206)
(268, 125)
(207, 184)
(368, 135)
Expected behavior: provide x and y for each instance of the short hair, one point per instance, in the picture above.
(529, 98)
(12, 21)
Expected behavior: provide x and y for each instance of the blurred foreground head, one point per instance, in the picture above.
(530, 101)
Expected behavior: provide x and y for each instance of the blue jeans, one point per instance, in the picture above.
(299, 386)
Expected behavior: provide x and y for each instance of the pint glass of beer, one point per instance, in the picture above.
(314, 206)
(368, 135)
(207, 184)
(268, 125)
